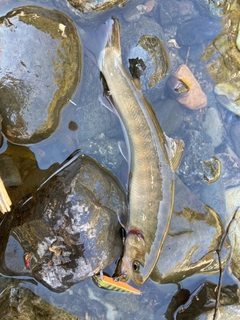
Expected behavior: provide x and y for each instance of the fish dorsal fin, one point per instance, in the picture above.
(174, 149)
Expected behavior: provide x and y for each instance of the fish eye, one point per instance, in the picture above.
(136, 265)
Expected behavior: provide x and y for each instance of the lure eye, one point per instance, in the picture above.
(136, 266)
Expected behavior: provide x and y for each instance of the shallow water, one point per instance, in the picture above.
(87, 125)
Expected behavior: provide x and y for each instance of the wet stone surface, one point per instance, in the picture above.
(40, 68)
(69, 228)
(20, 303)
(40, 244)
(192, 240)
(96, 5)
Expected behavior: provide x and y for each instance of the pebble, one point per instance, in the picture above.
(186, 89)
(235, 133)
(172, 11)
(227, 94)
(134, 14)
(214, 131)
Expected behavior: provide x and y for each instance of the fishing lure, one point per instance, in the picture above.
(105, 282)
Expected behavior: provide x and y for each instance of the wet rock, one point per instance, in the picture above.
(214, 131)
(178, 299)
(206, 7)
(106, 151)
(192, 240)
(232, 196)
(106, 304)
(155, 57)
(9, 172)
(96, 5)
(150, 32)
(35, 86)
(198, 147)
(224, 313)
(213, 196)
(203, 299)
(173, 11)
(186, 89)
(69, 226)
(235, 134)
(230, 167)
(197, 30)
(129, 304)
(17, 302)
(134, 13)
(228, 95)
(223, 58)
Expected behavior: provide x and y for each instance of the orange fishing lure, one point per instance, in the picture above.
(108, 283)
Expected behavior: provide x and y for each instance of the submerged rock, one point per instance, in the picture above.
(96, 5)
(223, 58)
(186, 89)
(198, 149)
(145, 40)
(40, 69)
(215, 132)
(228, 95)
(68, 230)
(151, 58)
(235, 132)
(192, 240)
(198, 30)
(17, 302)
(202, 300)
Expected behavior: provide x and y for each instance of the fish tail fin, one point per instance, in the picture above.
(106, 36)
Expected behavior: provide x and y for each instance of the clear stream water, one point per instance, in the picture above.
(98, 131)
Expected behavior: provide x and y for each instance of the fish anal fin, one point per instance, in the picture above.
(175, 150)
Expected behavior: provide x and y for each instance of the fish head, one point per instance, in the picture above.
(133, 257)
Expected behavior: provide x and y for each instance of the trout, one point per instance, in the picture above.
(153, 158)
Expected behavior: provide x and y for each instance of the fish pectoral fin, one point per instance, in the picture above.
(123, 150)
(175, 150)
(122, 214)
(106, 101)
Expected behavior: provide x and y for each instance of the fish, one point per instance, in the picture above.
(153, 157)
